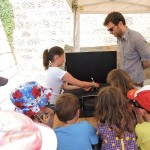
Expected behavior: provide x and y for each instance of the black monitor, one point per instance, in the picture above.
(87, 65)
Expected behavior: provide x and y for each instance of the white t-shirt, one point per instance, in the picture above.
(54, 80)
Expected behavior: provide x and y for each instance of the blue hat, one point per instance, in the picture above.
(30, 97)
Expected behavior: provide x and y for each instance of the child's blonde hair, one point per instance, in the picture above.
(119, 78)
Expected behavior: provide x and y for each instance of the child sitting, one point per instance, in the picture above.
(30, 99)
(58, 79)
(115, 126)
(119, 78)
(141, 101)
(72, 135)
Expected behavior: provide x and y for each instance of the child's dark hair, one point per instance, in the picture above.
(111, 108)
(48, 55)
(119, 78)
(114, 17)
(66, 107)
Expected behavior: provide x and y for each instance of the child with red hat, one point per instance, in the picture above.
(141, 101)
(30, 99)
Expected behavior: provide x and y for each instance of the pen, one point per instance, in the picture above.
(93, 81)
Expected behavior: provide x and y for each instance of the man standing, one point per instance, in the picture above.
(135, 56)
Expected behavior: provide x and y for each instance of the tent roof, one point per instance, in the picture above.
(106, 6)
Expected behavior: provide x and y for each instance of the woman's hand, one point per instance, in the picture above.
(95, 84)
(87, 89)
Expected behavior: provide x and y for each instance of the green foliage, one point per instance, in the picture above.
(6, 16)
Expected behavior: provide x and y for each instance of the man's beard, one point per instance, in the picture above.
(119, 33)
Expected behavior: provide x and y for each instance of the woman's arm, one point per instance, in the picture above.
(77, 83)
(70, 87)
(73, 87)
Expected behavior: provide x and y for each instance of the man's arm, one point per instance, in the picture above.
(146, 64)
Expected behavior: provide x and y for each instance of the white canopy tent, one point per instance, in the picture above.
(79, 7)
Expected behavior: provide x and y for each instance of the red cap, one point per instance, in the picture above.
(142, 96)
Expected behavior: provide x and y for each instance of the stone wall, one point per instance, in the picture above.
(39, 25)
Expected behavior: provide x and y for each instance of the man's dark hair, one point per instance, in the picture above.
(114, 17)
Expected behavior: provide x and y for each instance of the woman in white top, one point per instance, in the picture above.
(57, 78)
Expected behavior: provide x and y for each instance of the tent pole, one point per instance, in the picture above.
(76, 32)
(76, 37)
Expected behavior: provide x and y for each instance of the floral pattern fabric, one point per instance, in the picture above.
(30, 97)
